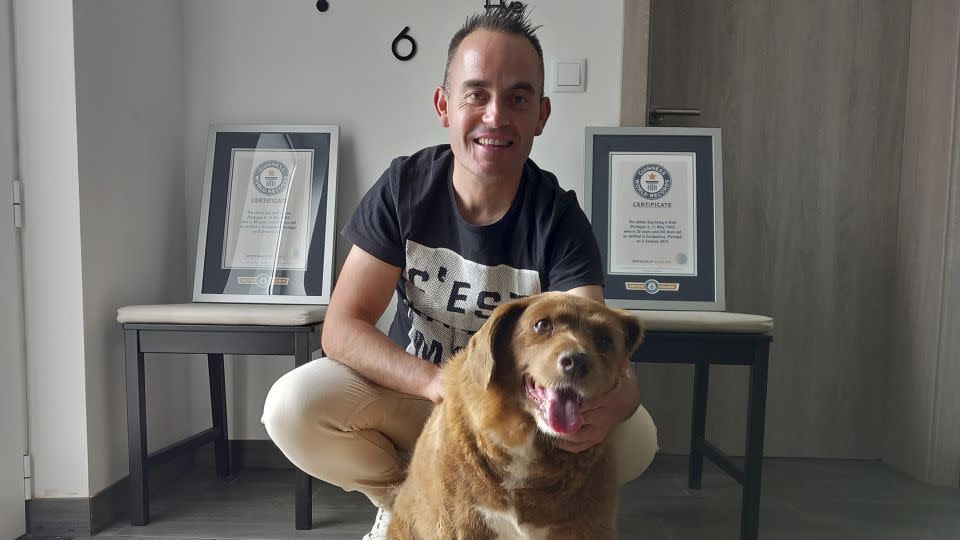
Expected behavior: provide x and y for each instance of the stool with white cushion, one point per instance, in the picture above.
(716, 338)
(214, 330)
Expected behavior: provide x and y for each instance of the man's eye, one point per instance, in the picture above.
(542, 326)
(519, 100)
(474, 97)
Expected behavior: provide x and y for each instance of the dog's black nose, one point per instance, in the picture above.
(574, 364)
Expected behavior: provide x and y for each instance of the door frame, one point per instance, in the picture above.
(13, 387)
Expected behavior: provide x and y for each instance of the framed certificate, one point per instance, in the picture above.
(655, 200)
(267, 215)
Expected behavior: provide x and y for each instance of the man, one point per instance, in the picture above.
(455, 230)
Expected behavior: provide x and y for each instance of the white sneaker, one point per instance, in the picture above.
(380, 525)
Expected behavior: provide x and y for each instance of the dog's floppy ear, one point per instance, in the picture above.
(490, 342)
(632, 331)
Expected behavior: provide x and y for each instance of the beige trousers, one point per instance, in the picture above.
(341, 428)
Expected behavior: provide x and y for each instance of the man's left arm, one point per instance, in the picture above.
(602, 414)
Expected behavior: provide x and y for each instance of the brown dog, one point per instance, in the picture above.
(485, 466)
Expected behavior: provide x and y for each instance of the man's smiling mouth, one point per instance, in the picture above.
(486, 141)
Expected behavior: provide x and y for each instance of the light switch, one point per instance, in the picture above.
(569, 74)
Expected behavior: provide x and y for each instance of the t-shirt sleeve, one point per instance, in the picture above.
(374, 226)
(574, 256)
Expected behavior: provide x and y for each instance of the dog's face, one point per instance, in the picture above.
(551, 352)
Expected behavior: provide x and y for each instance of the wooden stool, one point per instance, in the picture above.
(715, 338)
(214, 330)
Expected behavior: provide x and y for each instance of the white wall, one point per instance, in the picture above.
(130, 124)
(53, 297)
(115, 102)
(285, 62)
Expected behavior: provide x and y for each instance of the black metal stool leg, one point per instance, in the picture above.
(304, 500)
(753, 459)
(698, 426)
(136, 430)
(304, 492)
(218, 408)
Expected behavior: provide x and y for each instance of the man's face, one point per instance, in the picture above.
(492, 103)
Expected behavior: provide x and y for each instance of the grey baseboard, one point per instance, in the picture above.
(87, 516)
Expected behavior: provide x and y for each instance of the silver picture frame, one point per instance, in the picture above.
(267, 230)
(660, 232)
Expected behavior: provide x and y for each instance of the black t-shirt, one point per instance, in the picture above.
(455, 273)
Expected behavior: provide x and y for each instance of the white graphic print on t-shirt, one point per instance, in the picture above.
(449, 297)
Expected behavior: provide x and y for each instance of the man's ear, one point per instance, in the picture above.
(491, 344)
(544, 114)
(440, 104)
(632, 332)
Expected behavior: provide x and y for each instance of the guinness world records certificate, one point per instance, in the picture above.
(268, 214)
(655, 200)
(652, 218)
(268, 217)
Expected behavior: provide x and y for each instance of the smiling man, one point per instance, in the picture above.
(454, 230)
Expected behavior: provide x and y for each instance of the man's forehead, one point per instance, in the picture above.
(484, 46)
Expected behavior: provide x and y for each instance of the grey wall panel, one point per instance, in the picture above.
(923, 407)
(636, 52)
(810, 97)
(945, 458)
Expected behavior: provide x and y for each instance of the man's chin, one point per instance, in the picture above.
(507, 167)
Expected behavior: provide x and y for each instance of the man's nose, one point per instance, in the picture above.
(496, 114)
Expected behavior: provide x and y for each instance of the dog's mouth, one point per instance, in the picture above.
(560, 407)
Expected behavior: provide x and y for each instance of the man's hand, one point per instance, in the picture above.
(601, 414)
(434, 391)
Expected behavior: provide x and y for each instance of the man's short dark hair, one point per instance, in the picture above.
(509, 20)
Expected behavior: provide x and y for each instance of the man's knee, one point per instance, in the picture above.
(635, 445)
(283, 409)
(305, 400)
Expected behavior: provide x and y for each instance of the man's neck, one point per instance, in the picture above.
(483, 201)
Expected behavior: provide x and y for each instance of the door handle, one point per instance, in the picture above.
(656, 115)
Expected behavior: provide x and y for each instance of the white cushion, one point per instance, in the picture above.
(241, 314)
(704, 321)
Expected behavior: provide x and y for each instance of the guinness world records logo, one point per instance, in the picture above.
(652, 181)
(271, 177)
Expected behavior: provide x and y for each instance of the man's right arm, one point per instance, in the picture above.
(350, 336)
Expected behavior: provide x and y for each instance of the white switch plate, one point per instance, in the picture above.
(569, 75)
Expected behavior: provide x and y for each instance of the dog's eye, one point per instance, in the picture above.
(604, 343)
(542, 326)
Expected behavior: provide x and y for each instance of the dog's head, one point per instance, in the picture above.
(547, 354)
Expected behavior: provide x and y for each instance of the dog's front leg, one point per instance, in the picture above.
(400, 529)
(476, 534)
(469, 526)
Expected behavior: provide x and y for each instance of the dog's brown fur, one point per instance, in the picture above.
(482, 449)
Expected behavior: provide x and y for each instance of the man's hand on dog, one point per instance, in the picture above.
(601, 414)
(434, 391)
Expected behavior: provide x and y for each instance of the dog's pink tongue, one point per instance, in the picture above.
(563, 411)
